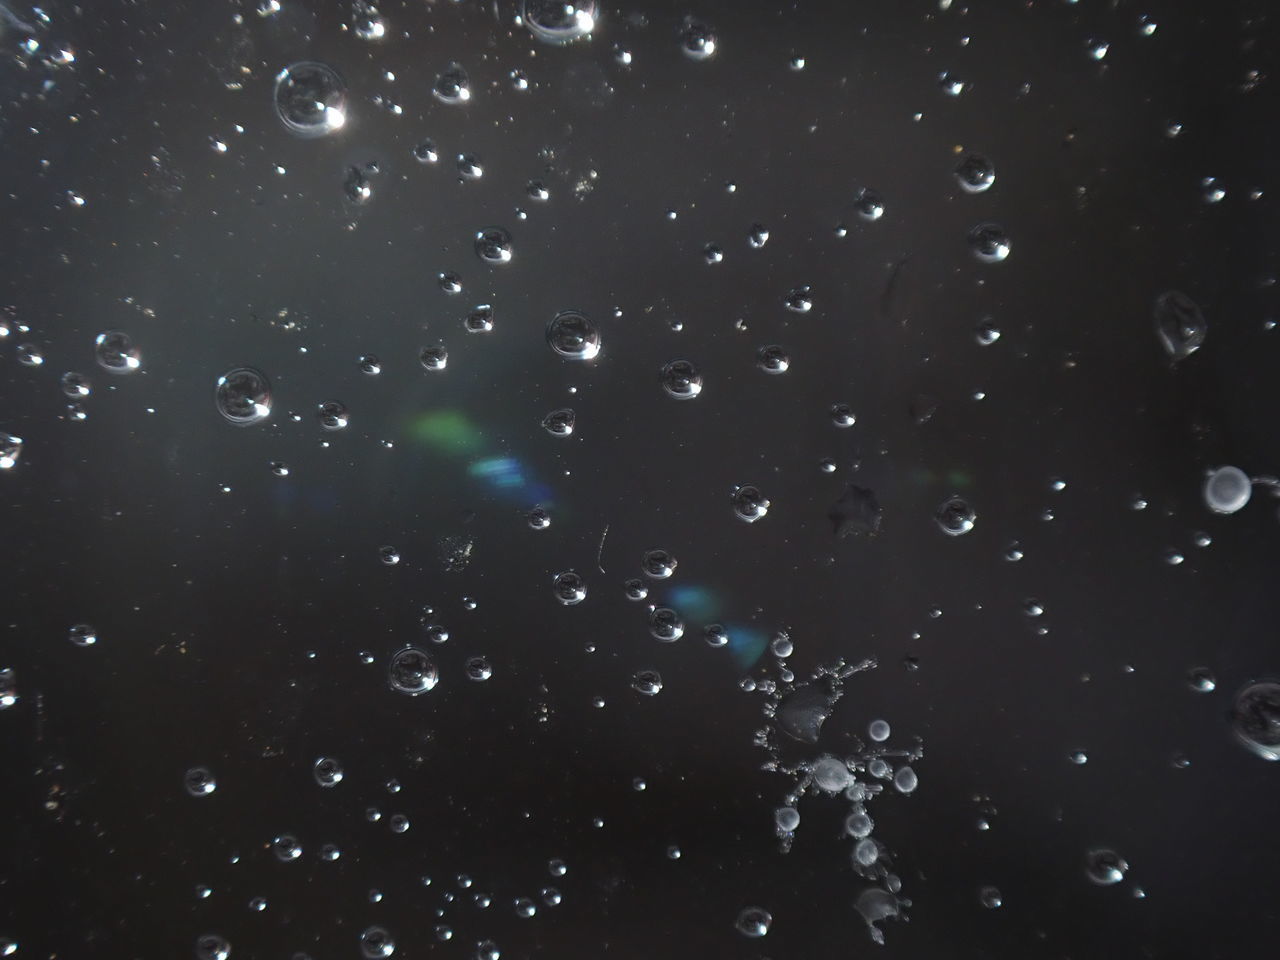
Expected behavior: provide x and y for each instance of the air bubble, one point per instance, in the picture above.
(327, 772)
(955, 517)
(658, 564)
(573, 336)
(493, 245)
(989, 243)
(412, 672)
(82, 635)
(681, 380)
(559, 21)
(332, 415)
(478, 669)
(243, 396)
(569, 588)
(376, 943)
(1255, 718)
(697, 41)
(773, 359)
(1227, 490)
(116, 353)
(665, 625)
(75, 386)
(753, 922)
(434, 358)
(1105, 867)
(452, 86)
(559, 423)
(199, 782)
(975, 173)
(646, 682)
(311, 99)
(1179, 323)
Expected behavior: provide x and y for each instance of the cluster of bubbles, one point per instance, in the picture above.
(795, 712)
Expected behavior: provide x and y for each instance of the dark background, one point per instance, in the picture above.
(231, 625)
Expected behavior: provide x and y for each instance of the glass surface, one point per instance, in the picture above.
(497, 479)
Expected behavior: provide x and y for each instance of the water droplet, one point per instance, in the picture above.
(199, 782)
(82, 635)
(487, 950)
(389, 555)
(479, 320)
(557, 868)
(434, 358)
(773, 359)
(975, 173)
(452, 86)
(469, 166)
(636, 589)
(697, 40)
(243, 396)
(646, 682)
(28, 355)
(1227, 490)
(869, 204)
(75, 386)
(905, 780)
(371, 365)
(332, 415)
(574, 337)
(758, 236)
(878, 731)
(798, 299)
(376, 943)
(116, 353)
(951, 86)
(538, 518)
(559, 21)
(990, 898)
(1201, 680)
(412, 672)
(1179, 324)
(1079, 758)
(786, 819)
(493, 245)
(1212, 191)
(327, 772)
(426, 152)
(1255, 718)
(1096, 49)
(748, 503)
(712, 253)
(357, 185)
(1173, 557)
(450, 283)
(569, 588)
(681, 379)
(842, 415)
(286, 847)
(1146, 26)
(1105, 867)
(955, 517)
(1033, 608)
(673, 852)
(478, 669)
(665, 625)
(753, 922)
(398, 823)
(989, 242)
(311, 99)
(210, 946)
(987, 332)
(366, 22)
(658, 564)
(559, 423)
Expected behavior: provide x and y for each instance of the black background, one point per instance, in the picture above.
(208, 605)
